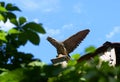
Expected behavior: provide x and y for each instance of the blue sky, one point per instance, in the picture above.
(63, 18)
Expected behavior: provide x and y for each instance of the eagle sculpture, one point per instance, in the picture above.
(67, 46)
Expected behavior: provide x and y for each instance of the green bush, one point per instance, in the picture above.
(86, 71)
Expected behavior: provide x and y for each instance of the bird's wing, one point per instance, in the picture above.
(72, 42)
(52, 41)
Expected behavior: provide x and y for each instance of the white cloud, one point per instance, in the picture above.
(68, 26)
(115, 31)
(78, 8)
(30, 4)
(40, 5)
(63, 30)
(61, 33)
(53, 32)
(58, 32)
(36, 20)
(50, 32)
(6, 26)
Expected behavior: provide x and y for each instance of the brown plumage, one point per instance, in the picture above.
(69, 44)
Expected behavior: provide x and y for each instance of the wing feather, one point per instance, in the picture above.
(72, 42)
(53, 41)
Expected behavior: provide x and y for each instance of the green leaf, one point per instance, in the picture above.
(2, 9)
(12, 76)
(76, 56)
(2, 17)
(2, 4)
(33, 37)
(14, 21)
(3, 36)
(13, 31)
(22, 38)
(5, 17)
(35, 27)
(90, 49)
(72, 63)
(36, 63)
(11, 7)
(11, 15)
(22, 20)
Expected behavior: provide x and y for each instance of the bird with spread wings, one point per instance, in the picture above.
(67, 46)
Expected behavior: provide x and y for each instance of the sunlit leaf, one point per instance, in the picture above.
(5, 17)
(3, 36)
(13, 31)
(12, 76)
(90, 49)
(36, 63)
(75, 56)
(72, 62)
(2, 9)
(2, 17)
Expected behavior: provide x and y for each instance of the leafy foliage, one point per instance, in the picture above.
(20, 34)
(86, 71)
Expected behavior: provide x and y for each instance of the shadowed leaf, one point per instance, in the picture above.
(11, 7)
(22, 20)
(11, 15)
(33, 37)
(35, 27)
(14, 21)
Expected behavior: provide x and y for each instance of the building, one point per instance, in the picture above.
(107, 52)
